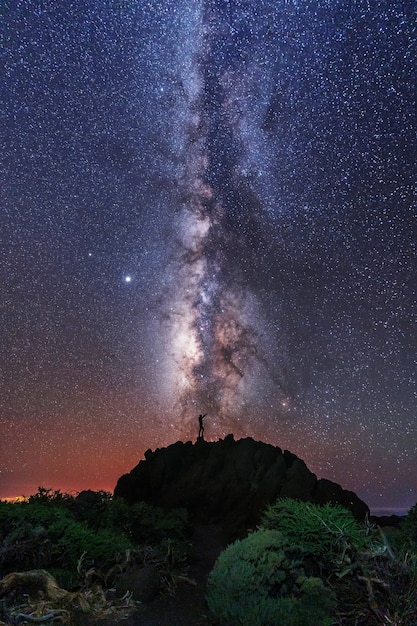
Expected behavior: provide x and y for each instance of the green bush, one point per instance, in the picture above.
(25, 540)
(407, 536)
(327, 531)
(41, 536)
(13, 515)
(151, 524)
(260, 581)
(71, 539)
(92, 507)
(52, 531)
(51, 496)
(142, 522)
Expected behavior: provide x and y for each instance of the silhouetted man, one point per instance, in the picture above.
(200, 423)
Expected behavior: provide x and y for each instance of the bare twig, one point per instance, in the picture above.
(42, 618)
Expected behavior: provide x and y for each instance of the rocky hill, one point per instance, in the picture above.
(228, 482)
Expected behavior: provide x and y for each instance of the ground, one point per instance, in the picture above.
(186, 607)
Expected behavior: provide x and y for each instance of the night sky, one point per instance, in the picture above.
(208, 206)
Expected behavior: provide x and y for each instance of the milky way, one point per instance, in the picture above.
(214, 337)
(208, 207)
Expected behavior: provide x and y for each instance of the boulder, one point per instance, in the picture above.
(228, 482)
(143, 583)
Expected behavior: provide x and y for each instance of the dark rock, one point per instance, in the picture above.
(228, 482)
(387, 521)
(328, 491)
(142, 582)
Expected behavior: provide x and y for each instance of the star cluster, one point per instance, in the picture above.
(208, 206)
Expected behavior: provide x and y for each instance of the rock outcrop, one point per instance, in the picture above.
(228, 482)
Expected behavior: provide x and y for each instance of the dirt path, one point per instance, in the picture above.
(187, 607)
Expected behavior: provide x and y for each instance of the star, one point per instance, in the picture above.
(208, 207)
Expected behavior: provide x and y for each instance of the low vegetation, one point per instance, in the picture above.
(261, 581)
(81, 544)
(316, 564)
(305, 564)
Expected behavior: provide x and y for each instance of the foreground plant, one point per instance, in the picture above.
(51, 530)
(260, 581)
(327, 531)
(358, 576)
(52, 542)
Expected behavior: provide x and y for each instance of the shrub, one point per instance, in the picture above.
(51, 530)
(51, 496)
(41, 536)
(260, 581)
(141, 522)
(151, 524)
(408, 530)
(25, 540)
(326, 531)
(92, 507)
(71, 539)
